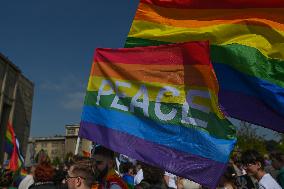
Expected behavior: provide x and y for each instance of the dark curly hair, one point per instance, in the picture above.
(152, 175)
(44, 172)
(252, 156)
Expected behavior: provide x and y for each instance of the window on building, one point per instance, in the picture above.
(53, 152)
(71, 132)
(44, 145)
(54, 144)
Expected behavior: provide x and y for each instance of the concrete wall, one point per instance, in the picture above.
(57, 146)
(16, 97)
(53, 146)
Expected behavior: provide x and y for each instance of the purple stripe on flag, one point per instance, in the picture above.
(193, 167)
(255, 110)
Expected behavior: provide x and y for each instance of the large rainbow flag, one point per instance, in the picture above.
(12, 148)
(247, 48)
(159, 105)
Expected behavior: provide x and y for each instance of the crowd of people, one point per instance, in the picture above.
(108, 170)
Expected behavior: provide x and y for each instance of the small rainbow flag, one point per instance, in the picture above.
(247, 48)
(159, 105)
(23, 172)
(129, 180)
(86, 153)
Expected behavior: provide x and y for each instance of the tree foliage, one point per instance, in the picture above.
(68, 156)
(247, 138)
(56, 161)
(42, 156)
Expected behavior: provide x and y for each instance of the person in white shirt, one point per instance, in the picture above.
(28, 180)
(253, 163)
(187, 184)
(171, 180)
(139, 174)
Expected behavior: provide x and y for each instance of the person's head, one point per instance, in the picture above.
(253, 162)
(72, 159)
(229, 176)
(59, 176)
(44, 172)
(127, 168)
(277, 159)
(153, 175)
(80, 175)
(138, 166)
(31, 169)
(6, 178)
(104, 160)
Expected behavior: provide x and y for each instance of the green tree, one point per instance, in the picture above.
(247, 138)
(42, 156)
(56, 161)
(280, 145)
(68, 156)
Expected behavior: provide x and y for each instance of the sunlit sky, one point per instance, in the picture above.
(53, 43)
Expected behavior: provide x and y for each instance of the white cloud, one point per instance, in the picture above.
(74, 101)
(69, 89)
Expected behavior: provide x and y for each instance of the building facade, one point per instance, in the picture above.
(57, 147)
(16, 99)
(71, 140)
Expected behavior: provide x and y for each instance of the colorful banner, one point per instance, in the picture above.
(247, 49)
(12, 148)
(160, 105)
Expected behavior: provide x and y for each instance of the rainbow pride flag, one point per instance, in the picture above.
(9, 141)
(247, 48)
(12, 148)
(23, 172)
(129, 180)
(159, 105)
(86, 153)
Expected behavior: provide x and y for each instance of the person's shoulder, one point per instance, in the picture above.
(281, 171)
(116, 183)
(115, 186)
(267, 182)
(266, 177)
(42, 186)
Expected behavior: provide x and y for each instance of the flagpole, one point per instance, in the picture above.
(77, 145)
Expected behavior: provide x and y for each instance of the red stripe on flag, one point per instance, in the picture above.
(15, 161)
(219, 4)
(178, 54)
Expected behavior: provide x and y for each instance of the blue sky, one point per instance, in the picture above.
(53, 43)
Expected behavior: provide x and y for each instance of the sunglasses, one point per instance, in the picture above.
(248, 164)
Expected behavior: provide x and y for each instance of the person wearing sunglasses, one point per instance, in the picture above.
(80, 175)
(253, 163)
